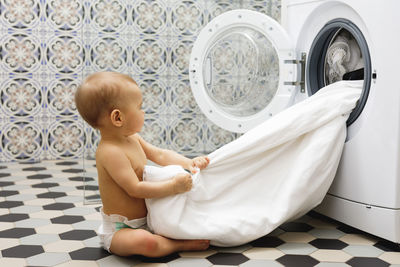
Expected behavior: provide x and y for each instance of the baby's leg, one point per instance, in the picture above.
(127, 242)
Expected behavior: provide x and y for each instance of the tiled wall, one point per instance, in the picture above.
(48, 47)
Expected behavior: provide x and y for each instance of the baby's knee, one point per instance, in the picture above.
(146, 242)
(150, 244)
(128, 242)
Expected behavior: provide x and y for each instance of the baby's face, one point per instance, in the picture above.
(132, 94)
(134, 115)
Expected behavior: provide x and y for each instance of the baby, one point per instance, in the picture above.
(112, 103)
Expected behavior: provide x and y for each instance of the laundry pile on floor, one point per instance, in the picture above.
(276, 172)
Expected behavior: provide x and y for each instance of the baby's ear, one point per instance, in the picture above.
(116, 117)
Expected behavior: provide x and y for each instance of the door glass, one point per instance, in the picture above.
(241, 71)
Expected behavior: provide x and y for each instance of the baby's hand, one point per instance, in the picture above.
(199, 162)
(182, 182)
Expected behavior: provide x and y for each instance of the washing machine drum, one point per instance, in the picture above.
(242, 71)
(340, 52)
(343, 58)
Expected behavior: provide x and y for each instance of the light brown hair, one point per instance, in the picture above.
(100, 93)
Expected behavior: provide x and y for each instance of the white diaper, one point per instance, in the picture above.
(114, 222)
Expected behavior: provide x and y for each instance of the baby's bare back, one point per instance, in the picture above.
(114, 197)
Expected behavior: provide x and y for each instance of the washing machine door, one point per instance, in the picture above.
(241, 69)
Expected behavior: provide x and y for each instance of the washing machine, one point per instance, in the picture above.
(245, 67)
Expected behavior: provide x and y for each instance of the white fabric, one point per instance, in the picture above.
(343, 56)
(275, 172)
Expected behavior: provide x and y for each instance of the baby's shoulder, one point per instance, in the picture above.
(108, 150)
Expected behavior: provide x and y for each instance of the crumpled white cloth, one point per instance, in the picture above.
(276, 172)
(343, 56)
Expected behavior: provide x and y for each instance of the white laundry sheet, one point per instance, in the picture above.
(276, 172)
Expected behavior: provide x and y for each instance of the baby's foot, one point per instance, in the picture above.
(196, 244)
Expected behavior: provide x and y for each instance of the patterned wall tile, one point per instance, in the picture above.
(185, 134)
(154, 91)
(64, 15)
(22, 140)
(150, 17)
(65, 54)
(48, 47)
(21, 97)
(271, 8)
(215, 137)
(216, 8)
(60, 96)
(2, 125)
(107, 16)
(187, 17)
(65, 138)
(109, 53)
(181, 49)
(20, 14)
(150, 55)
(181, 97)
(20, 52)
(155, 130)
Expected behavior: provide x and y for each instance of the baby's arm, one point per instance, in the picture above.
(118, 166)
(165, 157)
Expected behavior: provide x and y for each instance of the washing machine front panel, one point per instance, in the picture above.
(368, 176)
(371, 153)
(238, 69)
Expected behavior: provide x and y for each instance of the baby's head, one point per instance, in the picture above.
(101, 93)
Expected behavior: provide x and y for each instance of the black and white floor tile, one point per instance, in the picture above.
(44, 221)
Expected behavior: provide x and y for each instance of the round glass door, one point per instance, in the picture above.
(241, 72)
(237, 69)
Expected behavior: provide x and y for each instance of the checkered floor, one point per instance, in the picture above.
(49, 215)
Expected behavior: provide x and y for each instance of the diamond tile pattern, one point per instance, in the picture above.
(56, 228)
